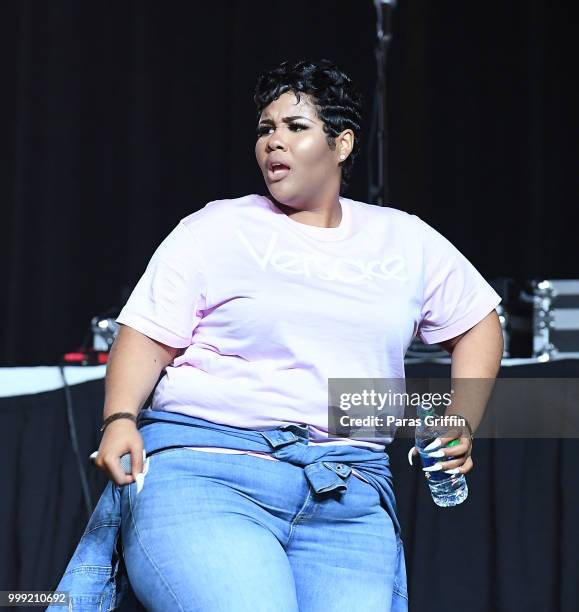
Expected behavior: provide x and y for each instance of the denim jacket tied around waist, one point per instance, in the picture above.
(95, 576)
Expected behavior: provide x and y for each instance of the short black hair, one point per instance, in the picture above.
(337, 101)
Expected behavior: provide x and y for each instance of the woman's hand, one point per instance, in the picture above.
(133, 369)
(119, 438)
(455, 459)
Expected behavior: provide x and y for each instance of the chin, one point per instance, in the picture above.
(285, 201)
(280, 195)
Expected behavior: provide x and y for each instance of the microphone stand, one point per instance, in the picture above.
(378, 167)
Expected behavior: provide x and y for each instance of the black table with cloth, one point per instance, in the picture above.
(513, 545)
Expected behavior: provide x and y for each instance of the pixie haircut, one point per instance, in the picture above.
(336, 99)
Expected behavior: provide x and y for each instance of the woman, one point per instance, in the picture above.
(248, 307)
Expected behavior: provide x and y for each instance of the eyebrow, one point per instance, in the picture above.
(287, 119)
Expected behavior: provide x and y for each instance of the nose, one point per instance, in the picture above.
(275, 141)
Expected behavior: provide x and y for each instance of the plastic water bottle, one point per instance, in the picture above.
(446, 489)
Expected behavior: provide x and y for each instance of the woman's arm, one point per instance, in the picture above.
(476, 354)
(476, 359)
(135, 364)
(480, 356)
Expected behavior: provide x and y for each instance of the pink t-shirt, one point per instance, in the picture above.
(266, 309)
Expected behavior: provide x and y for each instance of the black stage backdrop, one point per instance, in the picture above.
(119, 118)
(512, 545)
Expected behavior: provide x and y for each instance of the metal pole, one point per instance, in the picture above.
(378, 164)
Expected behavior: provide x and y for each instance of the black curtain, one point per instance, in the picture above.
(119, 118)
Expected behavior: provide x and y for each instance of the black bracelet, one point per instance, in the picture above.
(118, 415)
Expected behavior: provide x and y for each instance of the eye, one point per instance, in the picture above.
(262, 130)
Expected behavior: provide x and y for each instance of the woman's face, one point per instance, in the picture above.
(292, 151)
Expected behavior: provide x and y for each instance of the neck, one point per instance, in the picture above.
(319, 216)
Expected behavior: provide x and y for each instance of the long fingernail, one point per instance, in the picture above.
(453, 471)
(140, 480)
(433, 468)
(410, 453)
(433, 445)
(436, 454)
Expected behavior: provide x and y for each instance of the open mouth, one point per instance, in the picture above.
(277, 171)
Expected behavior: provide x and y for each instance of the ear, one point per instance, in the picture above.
(344, 144)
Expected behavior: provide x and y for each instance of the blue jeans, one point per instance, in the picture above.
(213, 532)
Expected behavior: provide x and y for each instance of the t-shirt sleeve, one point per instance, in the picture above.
(166, 304)
(455, 295)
